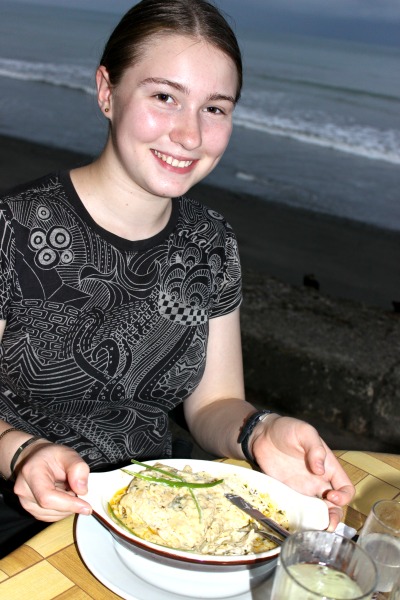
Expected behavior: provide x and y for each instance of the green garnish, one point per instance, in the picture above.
(173, 481)
(151, 468)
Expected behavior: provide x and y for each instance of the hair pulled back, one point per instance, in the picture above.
(194, 18)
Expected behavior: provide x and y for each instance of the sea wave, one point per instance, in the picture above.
(71, 76)
(367, 142)
(331, 88)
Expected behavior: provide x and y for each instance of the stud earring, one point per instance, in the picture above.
(106, 109)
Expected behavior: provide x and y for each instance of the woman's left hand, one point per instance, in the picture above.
(293, 452)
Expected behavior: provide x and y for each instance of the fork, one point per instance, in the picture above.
(269, 536)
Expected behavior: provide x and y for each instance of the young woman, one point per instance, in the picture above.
(120, 295)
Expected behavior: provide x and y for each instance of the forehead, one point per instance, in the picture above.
(179, 57)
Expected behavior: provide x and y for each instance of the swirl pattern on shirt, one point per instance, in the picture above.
(105, 336)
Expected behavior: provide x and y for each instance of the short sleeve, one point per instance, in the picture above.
(228, 295)
(7, 260)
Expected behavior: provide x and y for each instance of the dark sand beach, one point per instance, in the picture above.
(350, 260)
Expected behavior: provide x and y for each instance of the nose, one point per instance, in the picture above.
(186, 130)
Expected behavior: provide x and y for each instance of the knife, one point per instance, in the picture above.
(241, 503)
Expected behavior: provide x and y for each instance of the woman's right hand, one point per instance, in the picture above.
(49, 477)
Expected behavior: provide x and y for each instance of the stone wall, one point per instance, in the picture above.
(325, 360)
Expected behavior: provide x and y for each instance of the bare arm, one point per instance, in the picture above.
(288, 449)
(217, 409)
(2, 328)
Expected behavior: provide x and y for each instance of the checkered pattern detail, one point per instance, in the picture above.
(179, 312)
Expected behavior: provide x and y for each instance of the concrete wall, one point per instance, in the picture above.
(325, 360)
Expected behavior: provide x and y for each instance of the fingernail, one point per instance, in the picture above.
(85, 511)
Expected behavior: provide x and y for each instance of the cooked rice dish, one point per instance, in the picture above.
(197, 519)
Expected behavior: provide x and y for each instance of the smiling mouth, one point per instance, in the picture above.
(174, 162)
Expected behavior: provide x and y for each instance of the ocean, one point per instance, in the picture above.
(317, 127)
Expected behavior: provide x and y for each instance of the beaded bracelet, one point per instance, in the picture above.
(8, 431)
(18, 452)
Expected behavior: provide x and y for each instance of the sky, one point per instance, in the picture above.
(376, 21)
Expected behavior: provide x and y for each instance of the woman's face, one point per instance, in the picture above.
(171, 114)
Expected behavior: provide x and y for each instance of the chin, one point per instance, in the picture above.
(172, 191)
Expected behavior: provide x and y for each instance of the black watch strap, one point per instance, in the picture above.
(247, 430)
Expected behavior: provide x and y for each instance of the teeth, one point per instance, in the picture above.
(181, 164)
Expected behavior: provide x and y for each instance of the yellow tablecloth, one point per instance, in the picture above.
(48, 566)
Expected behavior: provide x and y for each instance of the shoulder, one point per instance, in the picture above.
(36, 195)
(193, 211)
(37, 187)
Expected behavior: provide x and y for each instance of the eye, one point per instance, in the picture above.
(164, 97)
(214, 110)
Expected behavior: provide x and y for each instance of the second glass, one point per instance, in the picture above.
(315, 565)
(380, 537)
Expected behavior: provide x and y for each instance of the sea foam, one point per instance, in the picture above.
(71, 76)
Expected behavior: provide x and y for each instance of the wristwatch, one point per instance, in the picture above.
(247, 430)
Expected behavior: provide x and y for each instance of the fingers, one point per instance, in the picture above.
(329, 485)
(48, 501)
(50, 480)
(323, 462)
(335, 499)
(48, 514)
(340, 482)
(77, 476)
(335, 517)
(316, 455)
(308, 444)
(341, 497)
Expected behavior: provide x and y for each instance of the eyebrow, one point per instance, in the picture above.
(184, 89)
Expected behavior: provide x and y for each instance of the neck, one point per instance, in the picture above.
(117, 205)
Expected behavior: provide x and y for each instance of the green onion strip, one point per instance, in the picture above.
(173, 481)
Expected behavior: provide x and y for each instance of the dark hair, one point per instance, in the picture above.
(194, 18)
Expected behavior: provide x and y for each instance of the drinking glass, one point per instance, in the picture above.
(318, 564)
(380, 537)
(395, 593)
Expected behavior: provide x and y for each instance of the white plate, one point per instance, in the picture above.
(97, 550)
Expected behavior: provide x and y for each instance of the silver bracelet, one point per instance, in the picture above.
(18, 452)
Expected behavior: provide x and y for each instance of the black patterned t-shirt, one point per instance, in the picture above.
(105, 336)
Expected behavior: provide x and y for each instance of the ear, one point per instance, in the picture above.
(104, 90)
